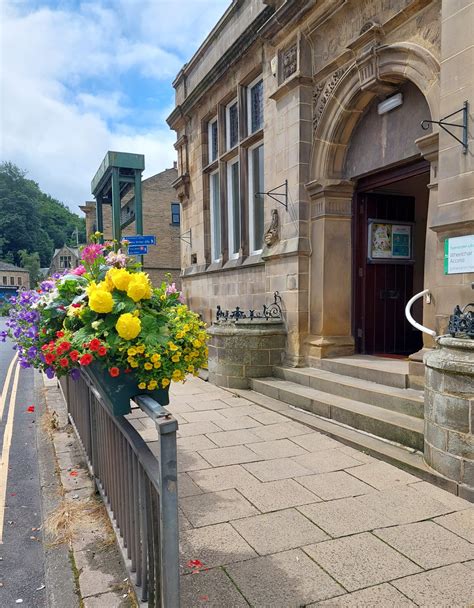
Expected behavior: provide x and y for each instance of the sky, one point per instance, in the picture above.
(79, 78)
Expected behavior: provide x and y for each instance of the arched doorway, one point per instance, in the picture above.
(368, 168)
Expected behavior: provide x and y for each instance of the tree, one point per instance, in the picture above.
(31, 261)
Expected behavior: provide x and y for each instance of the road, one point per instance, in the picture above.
(22, 573)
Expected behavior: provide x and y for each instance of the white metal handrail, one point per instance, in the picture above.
(411, 320)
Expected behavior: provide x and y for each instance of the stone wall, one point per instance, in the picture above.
(449, 412)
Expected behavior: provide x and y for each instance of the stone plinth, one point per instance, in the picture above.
(449, 411)
(244, 349)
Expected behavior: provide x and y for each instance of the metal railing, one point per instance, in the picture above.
(411, 320)
(138, 487)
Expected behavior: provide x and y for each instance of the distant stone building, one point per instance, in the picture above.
(327, 98)
(161, 218)
(12, 278)
(63, 258)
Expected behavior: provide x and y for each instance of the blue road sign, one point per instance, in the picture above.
(137, 249)
(142, 239)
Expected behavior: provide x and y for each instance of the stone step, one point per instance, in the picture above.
(391, 372)
(410, 461)
(405, 401)
(406, 430)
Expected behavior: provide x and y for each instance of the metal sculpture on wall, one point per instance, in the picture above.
(461, 322)
(272, 311)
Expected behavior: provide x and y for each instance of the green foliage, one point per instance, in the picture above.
(31, 262)
(31, 220)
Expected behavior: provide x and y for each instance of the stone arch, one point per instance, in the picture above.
(342, 99)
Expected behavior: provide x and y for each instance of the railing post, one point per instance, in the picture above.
(169, 511)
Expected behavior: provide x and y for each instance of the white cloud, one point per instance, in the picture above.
(56, 124)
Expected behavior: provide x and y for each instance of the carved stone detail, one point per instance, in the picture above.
(322, 93)
(289, 60)
(272, 234)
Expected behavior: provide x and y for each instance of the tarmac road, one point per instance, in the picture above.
(22, 569)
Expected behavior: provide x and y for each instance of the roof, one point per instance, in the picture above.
(7, 266)
(73, 250)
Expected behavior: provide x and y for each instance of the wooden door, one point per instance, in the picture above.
(382, 287)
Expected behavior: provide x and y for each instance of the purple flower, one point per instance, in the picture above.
(31, 332)
(171, 289)
(47, 285)
(49, 372)
(181, 298)
(32, 351)
(75, 373)
(3, 336)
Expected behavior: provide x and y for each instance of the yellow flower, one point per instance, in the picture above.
(128, 327)
(139, 287)
(156, 357)
(176, 358)
(133, 364)
(152, 385)
(142, 385)
(148, 366)
(177, 375)
(190, 368)
(140, 349)
(101, 301)
(132, 351)
(172, 346)
(157, 365)
(165, 382)
(180, 335)
(120, 278)
(186, 327)
(197, 344)
(162, 297)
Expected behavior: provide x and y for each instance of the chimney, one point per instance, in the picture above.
(175, 164)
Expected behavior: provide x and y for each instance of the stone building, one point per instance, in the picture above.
(327, 98)
(12, 278)
(161, 217)
(63, 258)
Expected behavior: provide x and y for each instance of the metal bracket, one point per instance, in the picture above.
(276, 195)
(186, 237)
(425, 125)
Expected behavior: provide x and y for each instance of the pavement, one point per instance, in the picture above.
(274, 514)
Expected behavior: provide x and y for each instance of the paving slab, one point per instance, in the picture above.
(343, 517)
(235, 401)
(230, 438)
(200, 405)
(325, 461)
(221, 457)
(266, 417)
(216, 507)
(450, 500)
(212, 589)
(99, 571)
(427, 544)
(382, 475)
(275, 495)
(288, 579)
(240, 422)
(313, 442)
(281, 430)
(402, 505)
(197, 428)
(461, 523)
(446, 587)
(186, 486)
(279, 468)
(380, 596)
(337, 484)
(360, 561)
(187, 460)
(278, 448)
(209, 415)
(278, 531)
(222, 478)
(195, 443)
(107, 600)
(244, 410)
(215, 545)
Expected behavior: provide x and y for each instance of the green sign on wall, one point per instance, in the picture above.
(459, 255)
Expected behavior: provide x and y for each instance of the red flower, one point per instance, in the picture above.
(127, 371)
(60, 334)
(76, 305)
(102, 351)
(63, 362)
(65, 346)
(43, 331)
(49, 358)
(74, 354)
(94, 344)
(44, 347)
(86, 359)
(114, 372)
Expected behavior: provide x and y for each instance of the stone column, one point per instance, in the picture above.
(330, 270)
(449, 412)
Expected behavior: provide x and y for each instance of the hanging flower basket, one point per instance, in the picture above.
(105, 318)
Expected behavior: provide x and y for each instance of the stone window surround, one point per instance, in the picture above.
(65, 261)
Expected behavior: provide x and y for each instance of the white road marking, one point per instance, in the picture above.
(4, 394)
(7, 440)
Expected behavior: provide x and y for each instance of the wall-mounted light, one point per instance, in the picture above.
(390, 103)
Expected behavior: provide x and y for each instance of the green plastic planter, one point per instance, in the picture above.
(118, 391)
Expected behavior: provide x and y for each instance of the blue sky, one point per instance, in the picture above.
(83, 77)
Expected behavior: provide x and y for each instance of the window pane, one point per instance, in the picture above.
(19, 280)
(213, 141)
(215, 218)
(175, 214)
(257, 201)
(234, 208)
(233, 126)
(256, 106)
